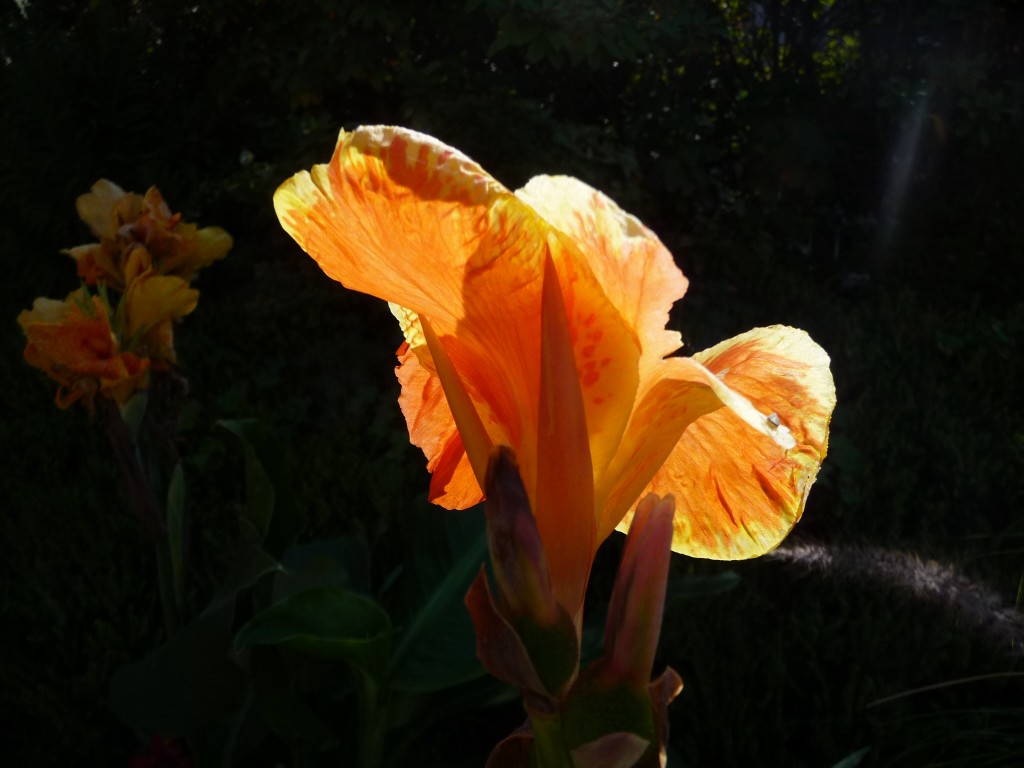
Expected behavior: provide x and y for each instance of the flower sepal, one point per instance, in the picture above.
(614, 716)
(523, 635)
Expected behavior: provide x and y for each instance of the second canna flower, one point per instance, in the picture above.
(108, 335)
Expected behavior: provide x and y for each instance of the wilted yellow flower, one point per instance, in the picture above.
(125, 222)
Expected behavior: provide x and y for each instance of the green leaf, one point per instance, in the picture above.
(259, 488)
(190, 683)
(185, 685)
(437, 648)
(273, 515)
(133, 411)
(853, 758)
(248, 566)
(342, 562)
(328, 623)
(286, 711)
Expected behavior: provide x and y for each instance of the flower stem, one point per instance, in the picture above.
(371, 718)
(168, 591)
(549, 747)
(141, 496)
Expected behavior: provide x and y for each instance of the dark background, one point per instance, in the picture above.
(850, 167)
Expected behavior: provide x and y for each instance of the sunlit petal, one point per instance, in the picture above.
(740, 475)
(636, 272)
(400, 216)
(677, 393)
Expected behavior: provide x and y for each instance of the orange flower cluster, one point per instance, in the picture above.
(91, 343)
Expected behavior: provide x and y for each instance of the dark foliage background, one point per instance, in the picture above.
(851, 167)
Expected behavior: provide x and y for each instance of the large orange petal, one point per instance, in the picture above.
(398, 215)
(741, 475)
(405, 218)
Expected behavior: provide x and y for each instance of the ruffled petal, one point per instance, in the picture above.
(741, 475)
(432, 429)
(398, 215)
(637, 272)
(783, 372)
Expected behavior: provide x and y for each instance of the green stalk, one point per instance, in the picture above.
(372, 719)
(549, 748)
(167, 583)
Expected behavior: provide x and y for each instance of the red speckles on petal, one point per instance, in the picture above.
(590, 376)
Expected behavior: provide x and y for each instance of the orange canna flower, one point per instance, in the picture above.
(148, 256)
(537, 320)
(125, 221)
(72, 341)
